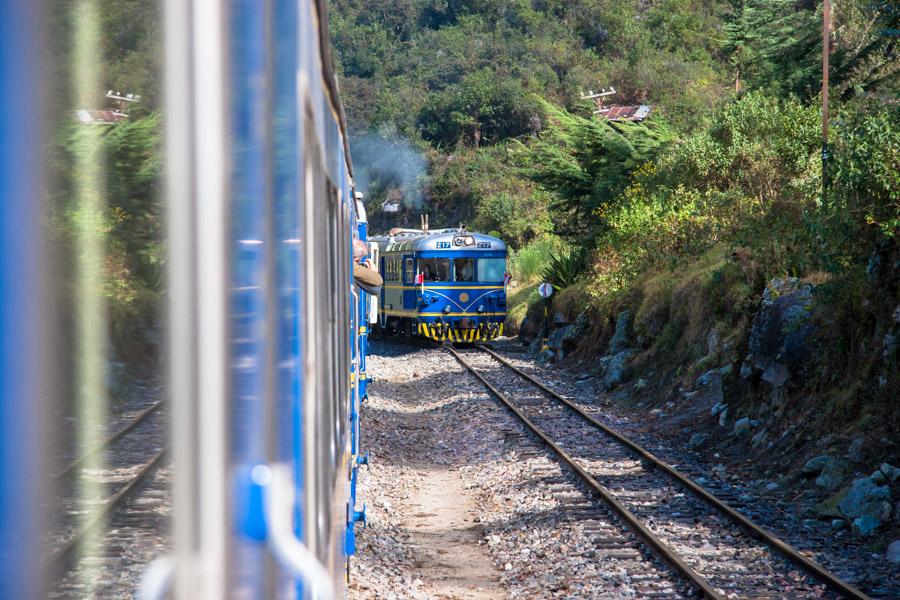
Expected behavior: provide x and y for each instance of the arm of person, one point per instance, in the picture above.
(368, 279)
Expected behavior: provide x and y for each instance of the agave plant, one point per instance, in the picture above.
(565, 268)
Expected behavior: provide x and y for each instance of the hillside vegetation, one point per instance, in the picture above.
(707, 235)
(103, 197)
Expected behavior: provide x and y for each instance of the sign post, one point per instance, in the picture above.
(545, 290)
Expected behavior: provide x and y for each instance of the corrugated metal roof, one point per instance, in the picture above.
(87, 116)
(627, 113)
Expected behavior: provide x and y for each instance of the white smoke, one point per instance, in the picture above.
(385, 163)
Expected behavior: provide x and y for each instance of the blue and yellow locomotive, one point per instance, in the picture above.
(448, 284)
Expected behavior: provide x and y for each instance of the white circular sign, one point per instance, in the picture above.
(545, 289)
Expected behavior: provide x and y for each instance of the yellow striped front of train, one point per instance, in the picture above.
(447, 333)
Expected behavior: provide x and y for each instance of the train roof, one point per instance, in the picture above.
(418, 241)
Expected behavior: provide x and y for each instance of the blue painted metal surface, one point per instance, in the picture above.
(288, 222)
(250, 245)
(20, 320)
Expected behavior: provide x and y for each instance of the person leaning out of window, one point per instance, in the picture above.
(364, 273)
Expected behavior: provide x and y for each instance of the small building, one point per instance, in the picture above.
(99, 117)
(617, 112)
(390, 206)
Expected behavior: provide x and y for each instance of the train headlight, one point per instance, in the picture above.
(480, 308)
(466, 240)
(447, 309)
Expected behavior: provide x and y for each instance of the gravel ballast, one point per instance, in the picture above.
(463, 504)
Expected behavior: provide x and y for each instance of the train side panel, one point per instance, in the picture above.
(267, 389)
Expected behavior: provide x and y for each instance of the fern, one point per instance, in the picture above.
(565, 268)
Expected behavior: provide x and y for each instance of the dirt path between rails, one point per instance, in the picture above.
(430, 440)
(443, 527)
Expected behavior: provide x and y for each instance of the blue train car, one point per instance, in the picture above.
(447, 284)
(267, 337)
(266, 331)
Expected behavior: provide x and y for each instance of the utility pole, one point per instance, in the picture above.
(597, 98)
(826, 50)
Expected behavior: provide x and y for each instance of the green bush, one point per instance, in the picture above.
(527, 263)
(865, 190)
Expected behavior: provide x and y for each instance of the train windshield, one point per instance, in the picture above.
(464, 269)
(435, 269)
(491, 269)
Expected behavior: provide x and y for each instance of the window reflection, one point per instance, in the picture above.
(464, 269)
(435, 269)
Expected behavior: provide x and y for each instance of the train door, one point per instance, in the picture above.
(409, 279)
(375, 303)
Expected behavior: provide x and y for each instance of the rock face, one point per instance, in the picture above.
(710, 390)
(891, 472)
(621, 339)
(614, 364)
(893, 553)
(856, 451)
(698, 440)
(833, 472)
(759, 437)
(815, 465)
(742, 426)
(564, 337)
(723, 417)
(546, 356)
(555, 340)
(866, 505)
(781, 331)
(615, 369)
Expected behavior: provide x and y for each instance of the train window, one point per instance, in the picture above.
(435, 269)
(408, 273)
(491, 269)
(464, 269)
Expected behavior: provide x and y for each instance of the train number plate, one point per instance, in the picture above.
(443, 244)
(484, 244)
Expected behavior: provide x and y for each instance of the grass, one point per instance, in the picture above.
(527, 263)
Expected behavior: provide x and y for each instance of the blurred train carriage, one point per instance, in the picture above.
(266, 332)
(447, 284)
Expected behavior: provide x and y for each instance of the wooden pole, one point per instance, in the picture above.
(826, 50)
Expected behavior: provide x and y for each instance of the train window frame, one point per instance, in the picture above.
(433, 263)
(461, 260)
(409, 273)
(492, 260)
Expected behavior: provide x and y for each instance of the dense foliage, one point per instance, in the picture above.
(103, 196)
(459, 81)
(684, 217)
(488, 93)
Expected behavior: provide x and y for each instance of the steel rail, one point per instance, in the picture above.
(657, 545)
(62, 554)
(811, 567)
(140, 418)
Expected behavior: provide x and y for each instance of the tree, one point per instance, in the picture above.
(482, 108)
(586, 163)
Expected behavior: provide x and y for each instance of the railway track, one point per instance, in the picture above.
(90, 490)
(720, 552)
